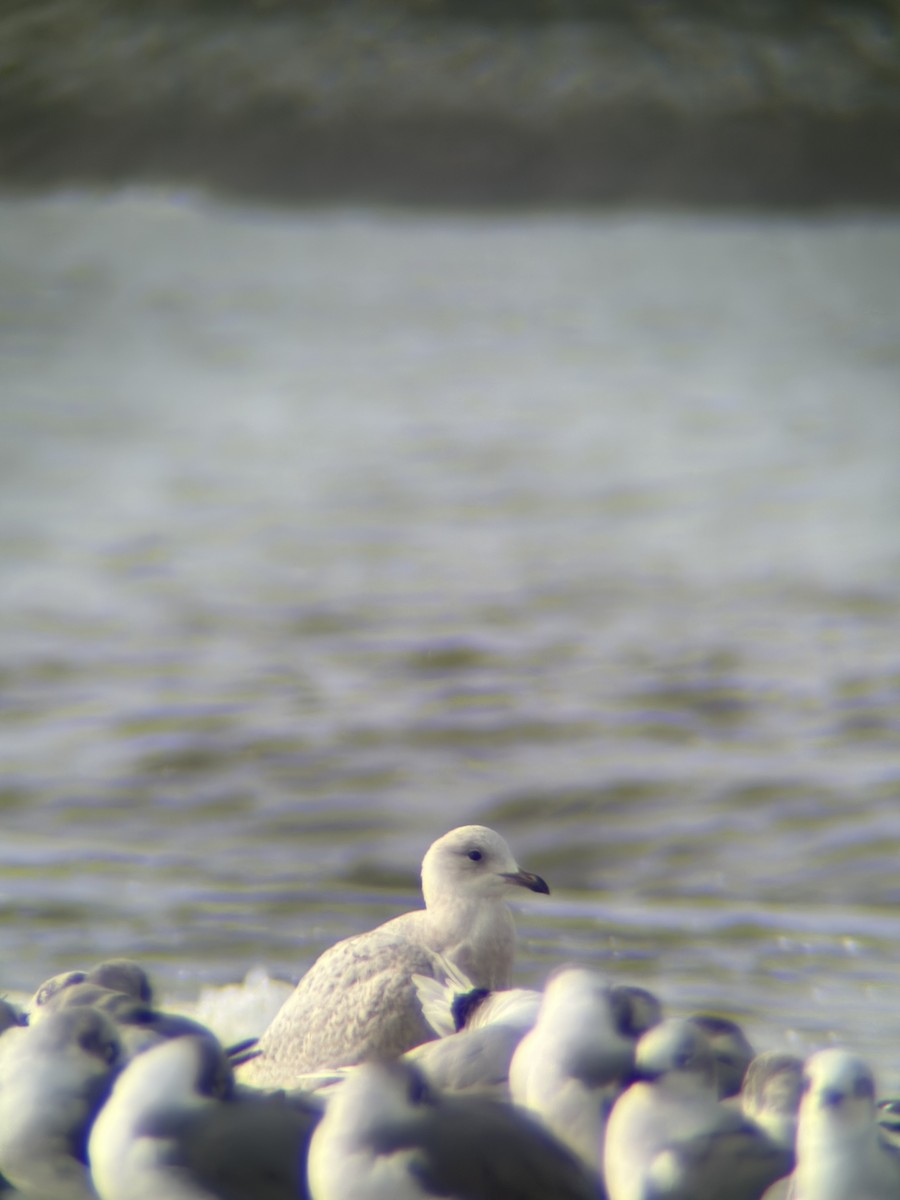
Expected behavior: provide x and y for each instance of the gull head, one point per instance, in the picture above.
(85, 1034)
(122, 975)
(51, 988)
(376, 1097)
(731, 1050)
(627, 1012)
(635, 1010)
(838, 1094)
(183, 1070)
(571, 988)
(676, 1054)
(473, 863)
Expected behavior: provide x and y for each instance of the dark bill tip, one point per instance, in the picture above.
(525, 879)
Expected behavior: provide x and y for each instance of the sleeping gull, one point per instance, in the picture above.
(569, 1069)
(386, 1136)
(842, 1154)
(358, 1001)
(112, 975)
(53, 1078)
(176, 1128)
(669, 1136)
(139, 1024)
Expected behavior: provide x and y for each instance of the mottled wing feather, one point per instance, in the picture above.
(357, 1002)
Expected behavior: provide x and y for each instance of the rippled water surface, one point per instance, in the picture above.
(325, 532)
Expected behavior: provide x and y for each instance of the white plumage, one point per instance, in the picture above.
(358, 1001)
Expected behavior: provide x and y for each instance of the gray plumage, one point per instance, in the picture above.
(670, 1138)
(731, 1049)
(54, 1076)
(139, 1024)
(114, 974)
(176, 1128)
(735, 1161)
(358, 1001)
(387, 1136)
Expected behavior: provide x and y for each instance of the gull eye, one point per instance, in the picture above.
(474, 855)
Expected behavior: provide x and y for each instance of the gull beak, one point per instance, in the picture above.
(525, 879)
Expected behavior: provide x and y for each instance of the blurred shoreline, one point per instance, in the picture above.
(652, 103)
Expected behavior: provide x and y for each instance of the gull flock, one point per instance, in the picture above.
(404, 1066)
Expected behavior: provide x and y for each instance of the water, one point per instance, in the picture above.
(325, 531)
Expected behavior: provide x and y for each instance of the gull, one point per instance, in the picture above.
(387, 1136)
(119, 975)
(674, 1098)
(54, 1076)
(477, 1032)
(122, 990)
(770, 1095)
(175, 1127)
(139, 1024)
(731, 1050)
(842, 1153)
(358, 1001)
(569, 1069)
(668, 1136)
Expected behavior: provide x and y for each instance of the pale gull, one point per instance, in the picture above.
(358, 1001)
(579, 1056)
(387, 1136)
(668, 1135)
(176, 1128)
(842, 1153)
(54, 1076)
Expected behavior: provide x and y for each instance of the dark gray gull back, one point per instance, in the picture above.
(385, 1132)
